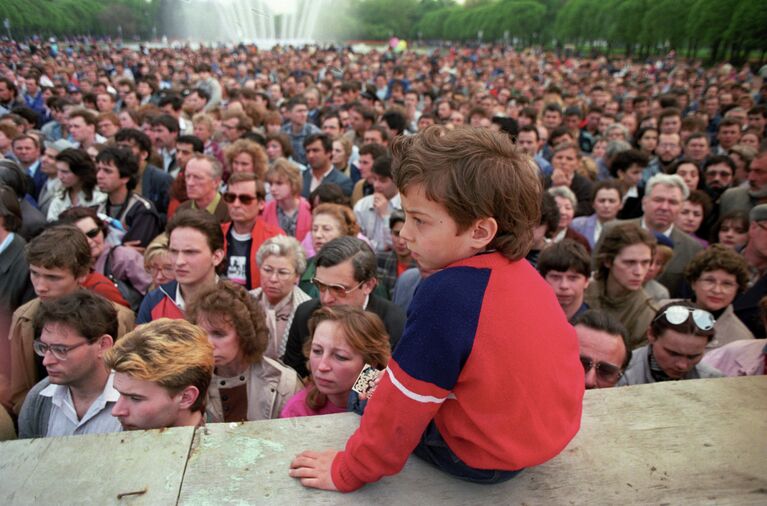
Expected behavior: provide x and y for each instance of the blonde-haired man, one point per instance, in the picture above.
(162, 372)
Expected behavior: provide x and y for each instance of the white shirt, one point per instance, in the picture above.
(666, 232)
(318, 181)
(97, 420)
(375, 227)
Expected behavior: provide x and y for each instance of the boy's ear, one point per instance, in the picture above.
(188, 396)
(483, 232)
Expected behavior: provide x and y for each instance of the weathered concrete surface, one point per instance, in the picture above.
(689, 442)
(95, 470)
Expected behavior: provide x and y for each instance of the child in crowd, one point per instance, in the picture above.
(486, 379)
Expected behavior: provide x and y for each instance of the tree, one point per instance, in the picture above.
(708, 22)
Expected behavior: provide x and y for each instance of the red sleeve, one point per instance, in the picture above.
(394, 420)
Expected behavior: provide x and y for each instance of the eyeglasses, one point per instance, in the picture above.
(338, 291)
(59, 351)
(168, 272)
(606, 372)
(676, 315)
(268, 272)
(710, 283)
(92, 233)
(246, 200)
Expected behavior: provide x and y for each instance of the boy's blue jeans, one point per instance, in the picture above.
(433, 449)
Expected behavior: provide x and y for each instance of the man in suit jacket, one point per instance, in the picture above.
(319, 150)
(28, 152)
(661, 204)
(346, 275)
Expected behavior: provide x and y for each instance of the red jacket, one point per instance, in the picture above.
(488, 354)
(260, 232)
(100, 284)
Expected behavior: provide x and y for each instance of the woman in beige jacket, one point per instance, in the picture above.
(246, 385)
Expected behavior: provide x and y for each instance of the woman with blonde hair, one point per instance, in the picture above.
(344, 340)
(287, 209)
(328, 222)
(157, 261)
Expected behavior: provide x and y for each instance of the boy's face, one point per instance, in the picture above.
(431, 234)
(385, 186)
(568, 286)
(144, 404)
(52, 283)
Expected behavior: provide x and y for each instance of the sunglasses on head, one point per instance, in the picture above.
(606, 372)
(677, 315)
(229, 198)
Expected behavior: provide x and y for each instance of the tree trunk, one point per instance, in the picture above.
(714, 51)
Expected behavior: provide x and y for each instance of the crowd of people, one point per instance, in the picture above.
(234, 234)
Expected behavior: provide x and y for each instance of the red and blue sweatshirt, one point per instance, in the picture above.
(160, 303)
(488, 354)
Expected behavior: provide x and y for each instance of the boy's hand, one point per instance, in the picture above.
(313, 469)
(381, 204)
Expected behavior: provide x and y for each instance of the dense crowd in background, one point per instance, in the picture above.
(255, 194)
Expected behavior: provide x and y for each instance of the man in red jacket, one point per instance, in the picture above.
(246, 232)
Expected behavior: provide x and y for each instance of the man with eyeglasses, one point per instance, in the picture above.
(677, 342)
(346, 275)
(245, 197)
(73, 334)
(116, 174)
(59, 264)
(603, 347)
(202, 176)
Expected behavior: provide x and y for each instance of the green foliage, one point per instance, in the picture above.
(748, 25)
(731, 27)
(74, 17)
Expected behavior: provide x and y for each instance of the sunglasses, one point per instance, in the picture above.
(606, 372)
(338, 291)
(92, 233)
(246, 200)
(677, 315)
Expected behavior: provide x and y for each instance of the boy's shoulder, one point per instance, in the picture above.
(462, 277)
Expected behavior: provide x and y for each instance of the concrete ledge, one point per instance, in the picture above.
(689, 442)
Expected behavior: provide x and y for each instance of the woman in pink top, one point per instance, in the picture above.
(344, 340)
(287, 209)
